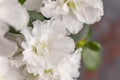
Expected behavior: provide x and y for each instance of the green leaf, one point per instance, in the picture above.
(92, 55)
(22, 1)
(35, 16)
(12, 30)
(84, 34)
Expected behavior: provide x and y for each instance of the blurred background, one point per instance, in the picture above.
(107, 33)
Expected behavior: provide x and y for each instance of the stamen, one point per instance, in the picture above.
(71, 4)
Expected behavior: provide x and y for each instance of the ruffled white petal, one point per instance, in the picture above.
(69, 67)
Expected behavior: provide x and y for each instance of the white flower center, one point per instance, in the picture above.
(41, 47)
(48, 71)
(70, 3)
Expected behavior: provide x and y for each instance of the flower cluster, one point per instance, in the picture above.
(44, 51)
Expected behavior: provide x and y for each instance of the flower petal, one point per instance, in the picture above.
(69, 67)
(14, 14)
(48, 9)
(72, 24)
(89, 11)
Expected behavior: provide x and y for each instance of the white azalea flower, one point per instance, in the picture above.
(8, 72)
(13, 14)
(74, 12)
(45, 46)
(33, 4)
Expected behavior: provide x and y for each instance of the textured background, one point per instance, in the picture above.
(107, 32)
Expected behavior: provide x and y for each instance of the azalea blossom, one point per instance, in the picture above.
(74, 12)
(45, 46)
